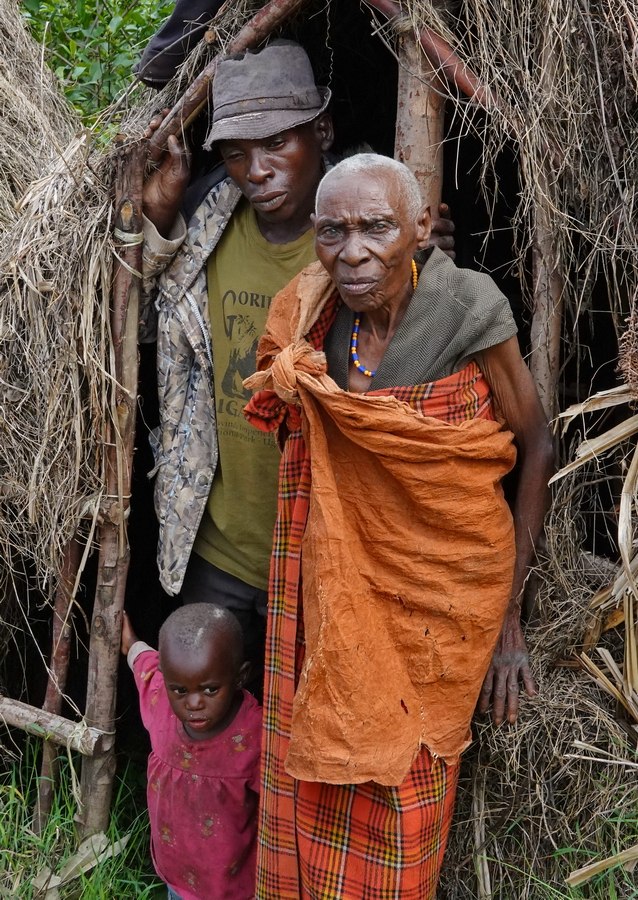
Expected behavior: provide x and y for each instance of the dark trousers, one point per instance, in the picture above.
(205, 583)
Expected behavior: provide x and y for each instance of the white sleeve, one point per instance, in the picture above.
(135, 650)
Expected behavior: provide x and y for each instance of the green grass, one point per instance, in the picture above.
(615, 833)
(23, 853)
(614, 884)
(130, 876)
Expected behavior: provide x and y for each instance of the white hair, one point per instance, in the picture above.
(371, 164)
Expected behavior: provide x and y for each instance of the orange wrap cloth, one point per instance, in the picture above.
(407, 559)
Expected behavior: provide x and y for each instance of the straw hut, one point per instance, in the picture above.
(522, 117)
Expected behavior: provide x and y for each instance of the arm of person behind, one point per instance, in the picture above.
(164, 227)
(171, 44)
(517, 398)
(442, 231)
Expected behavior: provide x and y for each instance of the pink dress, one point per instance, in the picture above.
(202, 795)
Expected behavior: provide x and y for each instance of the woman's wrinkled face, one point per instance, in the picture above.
(365, 238)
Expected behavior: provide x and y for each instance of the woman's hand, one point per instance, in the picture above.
(164, 188)
(442, 234)
(128, 635)
(510, 665)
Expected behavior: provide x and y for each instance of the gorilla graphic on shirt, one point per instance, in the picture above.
(243, 337)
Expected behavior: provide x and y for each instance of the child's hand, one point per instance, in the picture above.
(128, 635)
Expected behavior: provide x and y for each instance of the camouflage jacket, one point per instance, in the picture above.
(185, 444)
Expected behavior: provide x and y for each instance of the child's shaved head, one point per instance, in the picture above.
(199, 624)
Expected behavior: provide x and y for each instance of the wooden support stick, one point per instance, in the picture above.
(106, 626)
(74, 735)
(420, 120)
(547, 276)
(58, 670)
(547, 319)
(266, 20)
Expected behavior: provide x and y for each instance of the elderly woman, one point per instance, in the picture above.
(397, 570)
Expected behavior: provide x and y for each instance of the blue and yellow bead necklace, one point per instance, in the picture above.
(354, 340)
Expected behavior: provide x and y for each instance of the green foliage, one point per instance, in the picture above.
(23, 854)
(92, 45)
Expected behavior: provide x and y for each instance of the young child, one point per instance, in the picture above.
(203, 770)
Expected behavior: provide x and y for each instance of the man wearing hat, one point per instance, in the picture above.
(247, 232)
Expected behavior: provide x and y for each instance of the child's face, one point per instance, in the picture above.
(202, 686)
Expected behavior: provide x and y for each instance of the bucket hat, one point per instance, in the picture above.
(264, 92)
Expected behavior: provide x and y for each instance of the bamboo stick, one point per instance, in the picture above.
(58, 670)
(104, 649)
(420, 120)
(73, 735)
(266, 20)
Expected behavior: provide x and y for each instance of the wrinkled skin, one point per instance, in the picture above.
(503, 367)
(365, 240)
(517, 399)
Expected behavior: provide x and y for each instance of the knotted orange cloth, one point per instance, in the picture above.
(407, 560)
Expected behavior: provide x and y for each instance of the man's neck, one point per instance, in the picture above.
(283, 232)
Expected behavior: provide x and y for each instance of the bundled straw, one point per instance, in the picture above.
(54, 361)
(35, 122)
(562, 88)
(560, 789)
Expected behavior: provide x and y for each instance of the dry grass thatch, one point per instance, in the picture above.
(35, 122)
(53, 346)
(56, 260)
(536, 801)
(559, 790)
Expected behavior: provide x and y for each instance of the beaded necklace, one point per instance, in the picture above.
(354, 340)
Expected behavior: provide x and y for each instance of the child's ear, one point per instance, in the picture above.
(242, 675)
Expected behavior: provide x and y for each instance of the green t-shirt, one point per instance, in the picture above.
(244, 273)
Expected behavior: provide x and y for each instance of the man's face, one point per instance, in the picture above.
(279, 175)
(366, 238)
(202, 685)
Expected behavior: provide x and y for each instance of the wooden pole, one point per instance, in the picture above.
(420, 119)
(58, 670)
(73, 735)
(104, 650)
(106, 625)
(271, 16)
(547, 277)
(547, 319)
